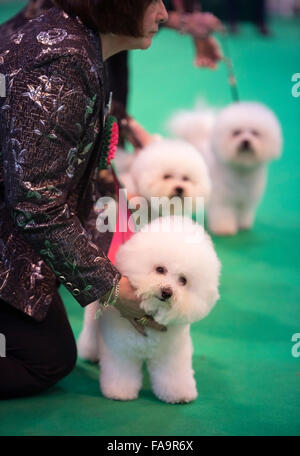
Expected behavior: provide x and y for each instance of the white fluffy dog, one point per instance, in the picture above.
(175, 270)
(166, 168)
(245, 137)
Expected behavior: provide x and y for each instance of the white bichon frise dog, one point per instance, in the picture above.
(167, 168)
(173, 266)
(245, 137)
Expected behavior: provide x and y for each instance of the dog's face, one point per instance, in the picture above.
(171, 168)
(176, 274)
(247, 134)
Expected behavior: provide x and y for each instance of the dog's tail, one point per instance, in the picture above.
(195, 126)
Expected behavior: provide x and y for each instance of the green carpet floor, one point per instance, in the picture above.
(248, 380)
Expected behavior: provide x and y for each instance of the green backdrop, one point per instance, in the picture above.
(248, 380)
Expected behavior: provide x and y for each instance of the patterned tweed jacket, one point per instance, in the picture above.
(33, 9)
(51, 123)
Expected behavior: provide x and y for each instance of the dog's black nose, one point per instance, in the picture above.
(166, 293)
(246, 145)
(179, 191)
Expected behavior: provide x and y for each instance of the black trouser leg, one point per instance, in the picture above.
(261, 16)
(260, 12)
(38, 354)
(232, 10)
(232, 14)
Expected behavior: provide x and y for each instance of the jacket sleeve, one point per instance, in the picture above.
(50, 122)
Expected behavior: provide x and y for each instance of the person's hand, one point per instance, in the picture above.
(129, 307)
(208, 52)
(200, 25)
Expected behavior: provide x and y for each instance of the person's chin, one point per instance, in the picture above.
(139, 43)
(146, 43)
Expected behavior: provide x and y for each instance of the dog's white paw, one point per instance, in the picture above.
(178, 397)
(225, 227)
(87, 346)
(246, 221)
(179, 393)
(118, 391)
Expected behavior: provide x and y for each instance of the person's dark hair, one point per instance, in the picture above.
(122, 17)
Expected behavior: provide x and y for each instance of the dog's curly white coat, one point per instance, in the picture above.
(166, 168)
(191, 272)
(237, 148)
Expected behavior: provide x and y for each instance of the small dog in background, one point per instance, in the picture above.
(244, 138)
(166, 168)
(173, 266)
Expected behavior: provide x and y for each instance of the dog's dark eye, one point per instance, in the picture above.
(255, 133)
(236, 132)
(167, 176)
(161, 270)
(185, 178)
(182, 280)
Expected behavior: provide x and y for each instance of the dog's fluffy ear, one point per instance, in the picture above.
(275, 136)
(128, 182)
(123, 160)
(271, 127)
